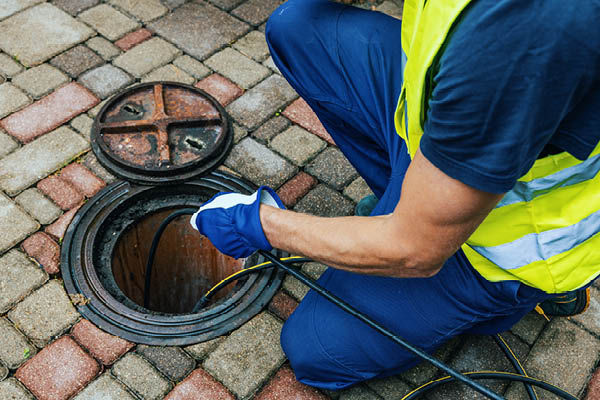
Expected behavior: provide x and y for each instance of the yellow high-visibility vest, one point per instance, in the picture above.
(545, 232)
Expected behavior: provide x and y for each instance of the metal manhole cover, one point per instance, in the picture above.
(161, 133)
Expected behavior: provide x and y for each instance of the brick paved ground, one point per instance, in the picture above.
(59, 60)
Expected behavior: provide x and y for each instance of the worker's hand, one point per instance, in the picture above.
(231, 221)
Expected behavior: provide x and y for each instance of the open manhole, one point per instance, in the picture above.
(163, 139)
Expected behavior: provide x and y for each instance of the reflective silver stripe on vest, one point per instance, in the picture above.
(541, 246)
(527, 191)
(403, 62)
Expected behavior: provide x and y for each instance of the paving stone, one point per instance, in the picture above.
(238, 133)
(294, 287)
(18, 277)
(11, 99)
(147, 10)
(44, 250)
(271, 128)
(35, 35)
(295, 188)
(200, 350)
(199, 28)
(191, 66)
(300, 113)
(11, 389)
(15, 349)
(591, 317)
(3, 372)
(332, 168)
(424, 372)
(105, 80)
(325, 202)
(172, 4)
(8, 66)
(103, 47)
(248, 355)
(141, 377)
(7, 144)
(529, 328)
(255, 12)
(50, 112)
(82, 179)
(269, 63)
(16, 225)
(226, 5)
(104, 388)
(59, 227)
(285, 386)
(91, 162)
(220, 88)
(147, 56)
(75, 7)
(38, 206)
(390, 8)
(240, 69)
(297, 145)
(58, 371)
(259, 164)
(359, 392)
(253, 45)
(93, 112)
(132, 39)
(61, 192)
(40, 80)
(357, 190)
(282, 305)
(10, 7)
(314, 269)
(45, 313)
(392, 388)
(168, 72)
(109, 22)
(103, 346)
(199, 385)
(173, 362)
(83, 124)
(593, 389)
(77, 60)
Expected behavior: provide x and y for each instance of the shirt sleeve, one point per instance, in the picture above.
(510, 74)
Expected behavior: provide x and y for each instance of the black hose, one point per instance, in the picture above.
(515, 363)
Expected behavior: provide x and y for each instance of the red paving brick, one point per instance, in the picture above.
(58, 371)
(294, 189)
(593, 389)
(104, 346)
(61, 192)
(133, 39)
(220, 88)
(282, 305)
(59, 227)
(45, 251)
(50, 112)
(301, 113)
(199, 385)
(285, 386)
(82, 179)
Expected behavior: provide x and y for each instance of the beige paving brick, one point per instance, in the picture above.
(168, 72)
(83, 124)
(109, 22)
(11, 99)
(18, 277)
(103, 47)
(253, 45)
(192, 66)
(237, 67)
(357, 190)
(40, 80)
(141, 377)
(8, 66)
(146, 10)
(10, 7)
(7, 144)
(38, 206)
(13, 390)
(147, 56)
(16, 224)
(297, 145)
(15, 349)
(104, 388)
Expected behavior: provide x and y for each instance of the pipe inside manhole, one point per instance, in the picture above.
(186, 264)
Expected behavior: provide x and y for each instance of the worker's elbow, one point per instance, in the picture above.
(423, 267)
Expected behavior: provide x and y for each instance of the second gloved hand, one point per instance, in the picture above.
(231, 221)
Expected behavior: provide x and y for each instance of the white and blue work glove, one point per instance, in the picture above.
(231, 221)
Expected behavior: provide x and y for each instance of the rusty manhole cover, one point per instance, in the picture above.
(161, 133)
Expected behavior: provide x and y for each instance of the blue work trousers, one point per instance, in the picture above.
(346, 63)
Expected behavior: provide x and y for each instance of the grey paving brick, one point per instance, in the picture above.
(40, 80)
(91, 162)
(10, 7)
(200, 350)
(8, 66)
(529, 328)
(199, 29)
(173, 362)
(238, 133)
(11, 389)
(294, 287)
(248, 356)
(75, 7)
(392, 388)
(193, 67)
(145, 11)
(271, 128)
(262, 101)
(11, 99)
(38, 206)
(141, 377)
(38, 33)
(253, 45)
(16, 224)
(109, 22)
(103, 47)
(591, 317)
(332, 168)
(298, 145)
(83, 124)
(359, 392)
(45, 313)
(105, 80)
(50, 152)
(169, 72)
(256, 12)
(15, 349)
(146, 56)
(18, 277)
(269, 63)
(357, 190)
(325, 202)
(7, 144)
(77, 60)
(259, 164)
(104, 388)
(237, 67)
(226, 4)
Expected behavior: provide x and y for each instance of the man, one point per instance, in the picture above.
(476, 125)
